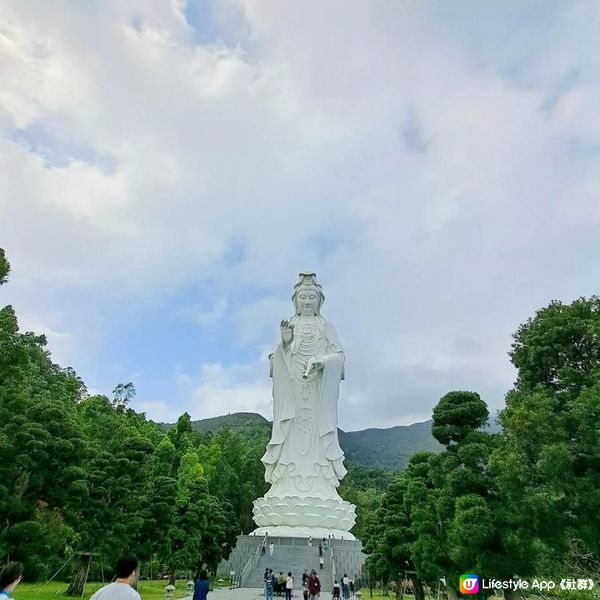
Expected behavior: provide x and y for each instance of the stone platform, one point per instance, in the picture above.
(317, 533)
(295, 554)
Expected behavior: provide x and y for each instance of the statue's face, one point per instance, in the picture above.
(308, 302)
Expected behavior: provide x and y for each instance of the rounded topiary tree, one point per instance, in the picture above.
(456, 415)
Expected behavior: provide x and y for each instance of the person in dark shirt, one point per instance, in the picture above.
(269, 584)
(314, 585)
(201, 586)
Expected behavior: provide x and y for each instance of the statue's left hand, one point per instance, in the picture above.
(313, 364)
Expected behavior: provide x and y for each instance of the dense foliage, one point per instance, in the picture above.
(524, 502)
(84, 478)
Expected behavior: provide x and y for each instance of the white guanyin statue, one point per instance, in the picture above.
(304, 461)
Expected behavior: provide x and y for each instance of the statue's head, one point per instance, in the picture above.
(308, 295)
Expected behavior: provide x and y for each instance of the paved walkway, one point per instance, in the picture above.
(254, 594)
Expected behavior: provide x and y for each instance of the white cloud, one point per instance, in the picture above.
(61, 342)
(219, 390)
(157, 410)
(206, 317)
(291, 144)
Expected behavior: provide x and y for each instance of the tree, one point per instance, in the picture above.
(550, 462)
(559, 348)
(42, 450)
(193, 534)
(123, 394)
(443, 492)
(4, 267)
(456, 415)
(389, 537)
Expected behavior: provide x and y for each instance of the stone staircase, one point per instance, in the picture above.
(294, 554)
(245, 547)
(295, 558)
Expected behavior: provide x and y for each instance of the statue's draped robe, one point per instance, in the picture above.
(304, 456)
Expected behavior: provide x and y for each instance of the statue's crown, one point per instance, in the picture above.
(308, 280)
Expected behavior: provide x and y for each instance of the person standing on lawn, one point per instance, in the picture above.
(126, 570)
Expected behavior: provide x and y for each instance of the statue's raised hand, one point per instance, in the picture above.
(287, 332)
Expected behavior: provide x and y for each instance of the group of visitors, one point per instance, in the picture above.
(311, 585)
(278, 585)
(271, 549)
(347, 587)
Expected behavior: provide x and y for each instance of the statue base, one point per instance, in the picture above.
(329, 515)
(317, 533)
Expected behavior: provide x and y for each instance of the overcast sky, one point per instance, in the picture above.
(168, 167)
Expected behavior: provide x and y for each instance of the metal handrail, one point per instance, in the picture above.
(252, 562)
(332, 564)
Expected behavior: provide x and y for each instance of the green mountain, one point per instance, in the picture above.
(388, 449)
(235, 421)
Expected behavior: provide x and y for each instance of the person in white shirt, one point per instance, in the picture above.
(127, 572)
(289, 586)
(345, 587)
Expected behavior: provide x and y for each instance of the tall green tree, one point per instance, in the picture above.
(388, 540)
(559, 348)
(42, 450)
(194, 537)
(550, 461)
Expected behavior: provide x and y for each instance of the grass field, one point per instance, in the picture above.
(149, 590)
(155, 590)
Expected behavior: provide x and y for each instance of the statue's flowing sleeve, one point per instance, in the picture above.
(328, 393)
(283, 409)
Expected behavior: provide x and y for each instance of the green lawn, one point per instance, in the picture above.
(149, 590)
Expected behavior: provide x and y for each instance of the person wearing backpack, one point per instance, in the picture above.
(269, 584)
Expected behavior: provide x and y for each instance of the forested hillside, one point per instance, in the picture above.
(389, 449)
